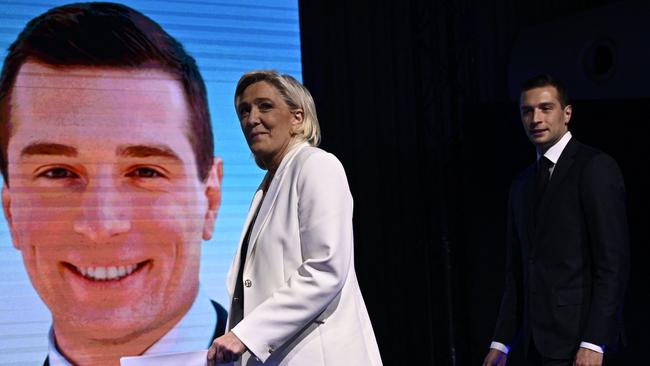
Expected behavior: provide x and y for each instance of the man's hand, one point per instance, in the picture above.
(226, 348)
(587, 357)
(495, 358)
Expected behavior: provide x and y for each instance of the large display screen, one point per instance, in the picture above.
(227, 38)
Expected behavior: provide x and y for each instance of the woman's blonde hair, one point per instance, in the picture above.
(294, 94)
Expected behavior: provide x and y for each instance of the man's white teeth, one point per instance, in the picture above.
(107, 273)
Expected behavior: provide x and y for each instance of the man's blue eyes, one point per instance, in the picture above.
(543, 108)
(58, 173)
(62, 173)
(145, 173)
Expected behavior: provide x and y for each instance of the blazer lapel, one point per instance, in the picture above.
(269, 200)
(234, 267)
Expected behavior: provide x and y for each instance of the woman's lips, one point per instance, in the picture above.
(253, 135)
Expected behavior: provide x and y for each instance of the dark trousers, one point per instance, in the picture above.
(534, 358)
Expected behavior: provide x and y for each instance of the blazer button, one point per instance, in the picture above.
(248, 283)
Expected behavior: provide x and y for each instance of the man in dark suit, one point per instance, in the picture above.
(567, 235)
(110, 182)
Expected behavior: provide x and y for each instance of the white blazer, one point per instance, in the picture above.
(302, 303)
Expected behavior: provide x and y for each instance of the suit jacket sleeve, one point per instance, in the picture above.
(326, 241)
(603, 200)
(510, 313)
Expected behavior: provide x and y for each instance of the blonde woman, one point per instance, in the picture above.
(295, 295)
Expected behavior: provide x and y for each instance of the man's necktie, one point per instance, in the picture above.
(543, 176)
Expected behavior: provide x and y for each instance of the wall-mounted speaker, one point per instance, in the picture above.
(602, 53)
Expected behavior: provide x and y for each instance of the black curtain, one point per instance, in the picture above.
(388, 93)
(412, 98)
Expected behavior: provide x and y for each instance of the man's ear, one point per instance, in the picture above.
(568, 110)
(213, 194)
(6, 208)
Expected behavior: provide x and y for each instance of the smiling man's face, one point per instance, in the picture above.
(545, 120)
(104, 200)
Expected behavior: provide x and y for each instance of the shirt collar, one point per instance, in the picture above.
(554, 152)
(192, 333)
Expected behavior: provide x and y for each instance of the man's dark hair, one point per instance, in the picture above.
(543, 80)
(107, 35)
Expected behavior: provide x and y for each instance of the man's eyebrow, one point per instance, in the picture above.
(145, 151)
(527, 107)
(48, 148)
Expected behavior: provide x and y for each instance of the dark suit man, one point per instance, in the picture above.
(568, 256)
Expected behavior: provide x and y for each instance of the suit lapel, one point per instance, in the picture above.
(562, 168)
(529, 204)
(222, 317)
(269, 200)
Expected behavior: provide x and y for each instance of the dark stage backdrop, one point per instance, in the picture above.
(413, 98)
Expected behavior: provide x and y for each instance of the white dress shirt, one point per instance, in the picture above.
(192, 333)
(552, 154)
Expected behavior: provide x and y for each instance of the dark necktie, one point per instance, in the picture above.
(543, 176)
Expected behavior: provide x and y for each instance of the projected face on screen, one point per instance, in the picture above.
(111, 192)
(105, 202)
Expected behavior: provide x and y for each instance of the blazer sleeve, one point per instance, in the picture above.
(510, 313)
(326, 242)
(604, 205)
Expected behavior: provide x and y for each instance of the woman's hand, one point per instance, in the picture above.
(226, 348)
